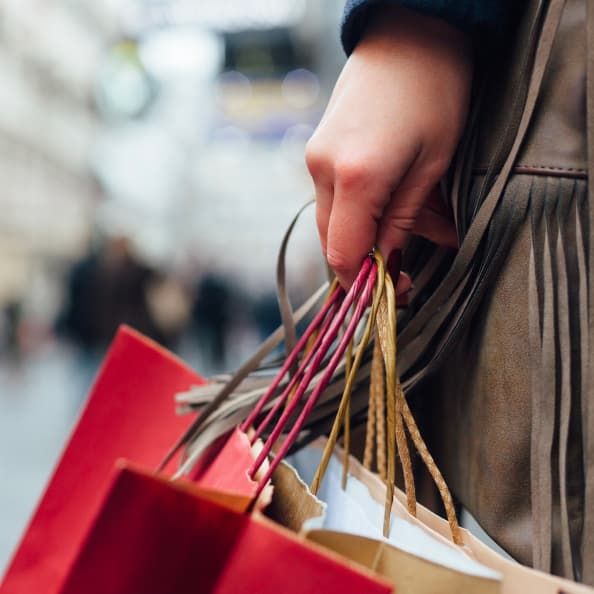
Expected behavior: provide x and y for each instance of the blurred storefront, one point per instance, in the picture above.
(164, 133)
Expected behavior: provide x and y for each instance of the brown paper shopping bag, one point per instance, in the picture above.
(294, 506)
(406, 573)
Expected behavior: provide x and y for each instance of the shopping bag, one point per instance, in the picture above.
(224, 471)
(349, 521)
(413, 563)
(285, 406)
(128, 414)
(138, 532)
(153, 535)
(288, 414)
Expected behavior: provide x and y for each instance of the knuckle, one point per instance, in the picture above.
(353, 173)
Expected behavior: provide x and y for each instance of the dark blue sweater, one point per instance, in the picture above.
(489, 17)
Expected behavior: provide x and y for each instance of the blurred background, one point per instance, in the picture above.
(151, 158)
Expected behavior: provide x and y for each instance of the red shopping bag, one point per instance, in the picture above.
(129, 413)
(157, 536)
(138, 533)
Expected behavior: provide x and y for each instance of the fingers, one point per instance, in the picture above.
(361, 215)
(415, 208)
(436, 201)
(351, 196)
(364, 201)
(399, 219)
(436, 228)
(434, 221)
(349, 202)
(357, 207)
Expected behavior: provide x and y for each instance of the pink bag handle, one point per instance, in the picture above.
(329, 324)
(320, 319)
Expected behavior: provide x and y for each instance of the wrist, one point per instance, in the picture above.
(392, 28)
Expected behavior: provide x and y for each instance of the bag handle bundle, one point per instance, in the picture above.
(329, 322)
(386, 394)
(284, 407)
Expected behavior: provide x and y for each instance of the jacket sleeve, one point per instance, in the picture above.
(490, 17)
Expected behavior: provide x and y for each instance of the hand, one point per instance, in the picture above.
(387, 137)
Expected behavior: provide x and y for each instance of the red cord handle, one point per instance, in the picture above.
(362, 288)
(337, 294)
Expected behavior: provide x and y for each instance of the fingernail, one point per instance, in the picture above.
(394, 264)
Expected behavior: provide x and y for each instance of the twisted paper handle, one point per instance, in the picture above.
(387, 396)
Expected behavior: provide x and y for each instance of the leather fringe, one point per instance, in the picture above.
(558, 302)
